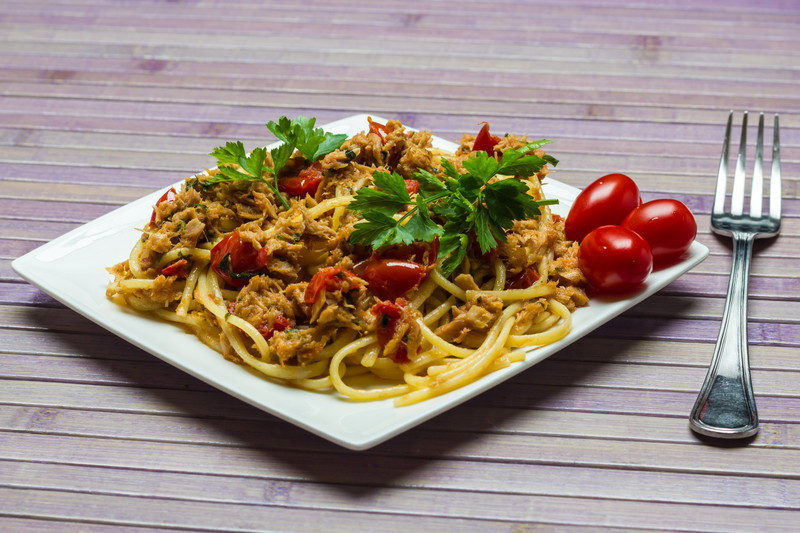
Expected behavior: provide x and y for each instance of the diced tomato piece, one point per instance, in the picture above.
(523, 280)
(382, 130)
(307, 181)
(425, 253)
(485, 141)
(236, 261)
(328, 278)
(281, 323)
(412, 186)
(178, 268)
(389, 314)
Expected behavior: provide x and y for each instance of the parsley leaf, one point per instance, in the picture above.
(508, 200)
(389, 200)
(296, 135)
(420, 224)
(484, 226)
(454, 207)
(233, 154)
(393, 184)
(312, 142)
(377, 207)
(377, 230)
(453, 247)
(429, 183)
(230, 153)
(481, 167)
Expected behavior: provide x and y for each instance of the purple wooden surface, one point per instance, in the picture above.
(104, 101)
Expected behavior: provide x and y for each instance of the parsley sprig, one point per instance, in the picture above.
(298, 134)
(454, 208)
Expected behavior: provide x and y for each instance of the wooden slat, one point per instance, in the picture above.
(198, 486)
(103, 102)
(568, 373)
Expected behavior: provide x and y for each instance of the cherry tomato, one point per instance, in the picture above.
(328, 278)
(392, 278)
(236, 261)
(606, 200)
(306, 182)
(485, 141)
(668, 227)
(614, 259)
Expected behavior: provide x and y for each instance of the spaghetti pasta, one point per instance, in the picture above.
(289, 293)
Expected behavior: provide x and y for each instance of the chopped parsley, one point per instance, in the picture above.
(453, 208)
(235, 164)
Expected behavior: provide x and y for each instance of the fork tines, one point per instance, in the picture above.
(757, 189)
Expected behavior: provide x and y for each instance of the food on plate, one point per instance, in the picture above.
(376, 265)
(668, 227)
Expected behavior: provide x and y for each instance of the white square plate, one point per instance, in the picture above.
(72, 267)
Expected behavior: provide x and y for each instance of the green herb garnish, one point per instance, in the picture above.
(298, 134)
(452, 208)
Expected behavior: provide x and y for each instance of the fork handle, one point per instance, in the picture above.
(725, 406)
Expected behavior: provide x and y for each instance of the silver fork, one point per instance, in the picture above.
(725, 406)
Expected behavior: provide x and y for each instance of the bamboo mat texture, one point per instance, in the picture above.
(105, 101)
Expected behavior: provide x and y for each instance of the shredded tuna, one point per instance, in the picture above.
(475, 316)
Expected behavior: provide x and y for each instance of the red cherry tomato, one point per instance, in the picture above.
(306, 182)
(606, 200)
(614, 259)
(668, 227)
(392, 278)
(236, 261)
